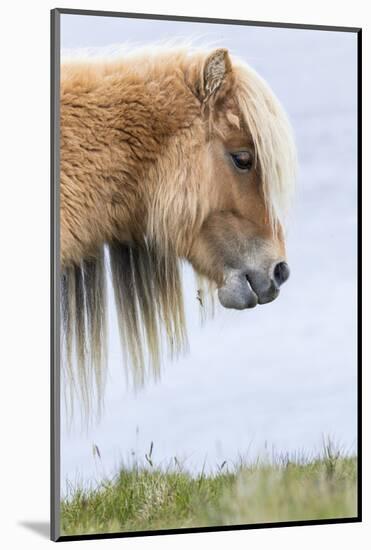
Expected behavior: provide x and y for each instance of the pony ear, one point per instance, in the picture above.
(215, 70)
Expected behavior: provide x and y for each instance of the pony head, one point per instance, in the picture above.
(177, 155)
(229, 180)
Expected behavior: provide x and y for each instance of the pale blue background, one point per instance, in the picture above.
(283, 375)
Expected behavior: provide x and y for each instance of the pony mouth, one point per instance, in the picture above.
(251, 290)
(238, 293)
(264, 296)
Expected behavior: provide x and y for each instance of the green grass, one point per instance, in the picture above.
(146, 497)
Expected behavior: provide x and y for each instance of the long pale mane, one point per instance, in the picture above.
(145, 275)
(150, 312)
(273, 140)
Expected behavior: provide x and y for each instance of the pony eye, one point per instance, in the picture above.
(242, 160)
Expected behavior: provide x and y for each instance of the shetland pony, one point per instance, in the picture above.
(172, 156)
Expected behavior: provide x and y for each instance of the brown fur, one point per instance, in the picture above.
(115, 124)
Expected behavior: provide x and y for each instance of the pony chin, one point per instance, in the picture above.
(237, 293)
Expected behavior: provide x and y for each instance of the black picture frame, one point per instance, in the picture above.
(55, 275)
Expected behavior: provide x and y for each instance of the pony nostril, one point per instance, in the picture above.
(281, 273)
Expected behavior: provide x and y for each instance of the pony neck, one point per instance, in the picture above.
(116, 124)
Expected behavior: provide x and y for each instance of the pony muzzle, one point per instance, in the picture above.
(246, 288)
(237, 292)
